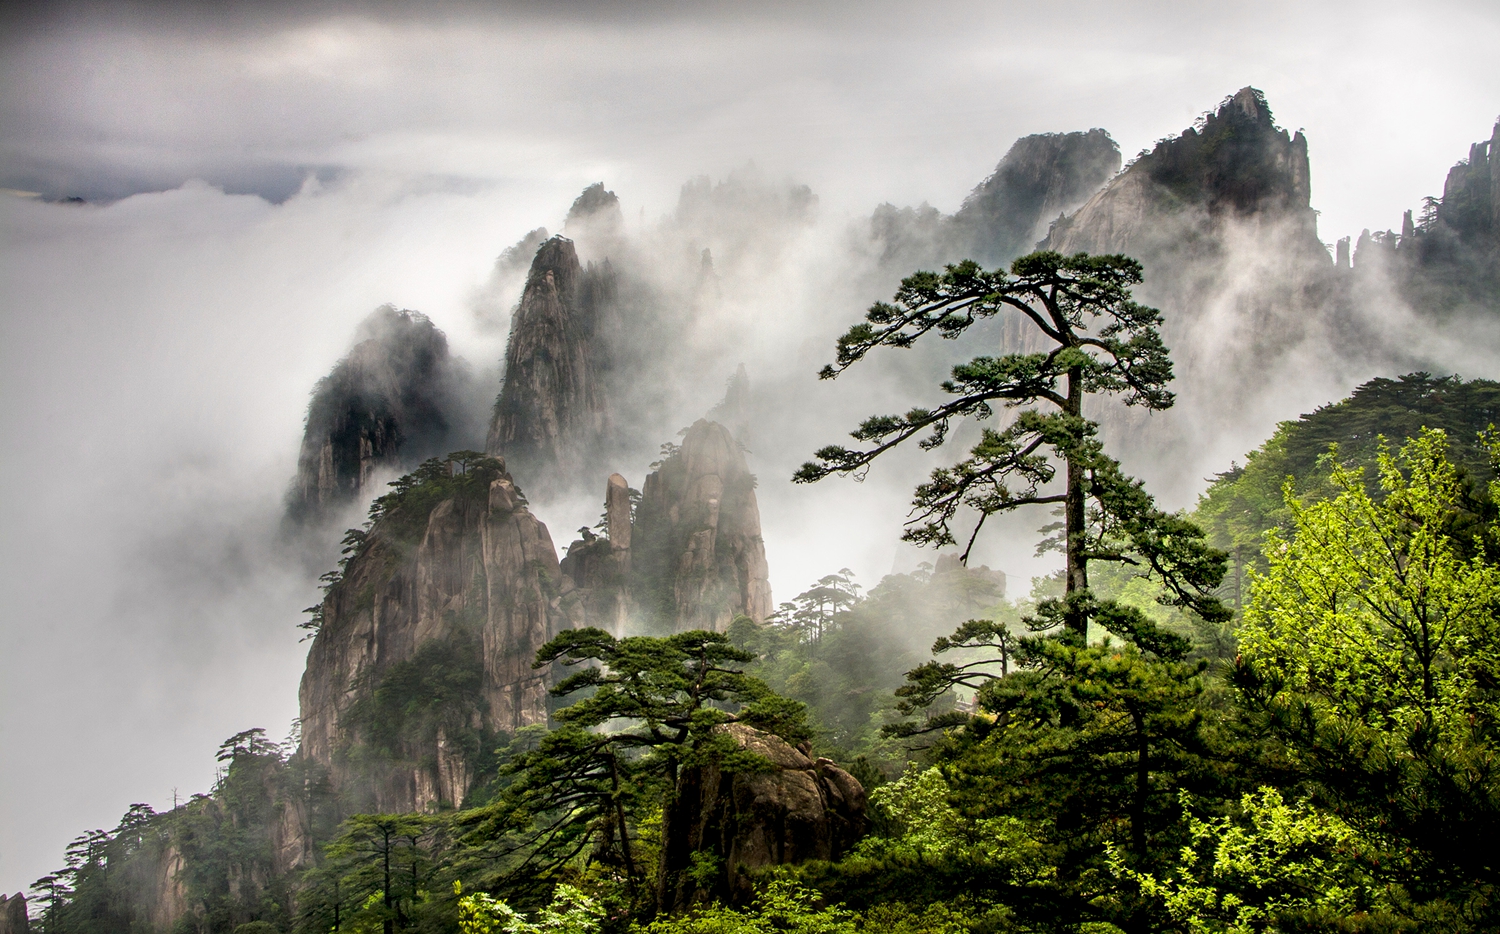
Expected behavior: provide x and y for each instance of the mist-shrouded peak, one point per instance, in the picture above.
(518, 257)
(1236, 159)
(556, 260)
(745, 197)
(551, 411)
(594, 201)
(734, 409)
(394, 400)
(1040, 177)
(596, 222)
(1234, 165)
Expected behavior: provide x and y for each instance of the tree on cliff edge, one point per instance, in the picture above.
(641, 710)
(1095, 340)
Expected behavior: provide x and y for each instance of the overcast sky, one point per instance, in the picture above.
(258, 182)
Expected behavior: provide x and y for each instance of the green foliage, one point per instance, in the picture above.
(818, 608)
(1371, 655)
(644, 708)
(846, 673)
(1268, 864)
(783, 908)
(1246, 501)
(921, 826)
(378, 871)
(570, 912)
(403, 512)
(212, 843)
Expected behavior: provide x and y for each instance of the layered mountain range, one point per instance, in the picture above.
(421, 660)
(1220, 217)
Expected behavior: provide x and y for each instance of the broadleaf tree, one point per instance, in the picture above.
(1369, 655)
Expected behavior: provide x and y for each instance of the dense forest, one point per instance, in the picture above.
(1276, 713)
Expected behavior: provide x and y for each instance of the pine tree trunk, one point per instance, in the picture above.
(1074, 517)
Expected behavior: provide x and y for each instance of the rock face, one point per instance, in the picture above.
(1449, 260)
(551, 412)
(696, 541)
(596, 571)
(689, 556)
(1041, 177)
(390, 403)
(1237, 164)
(13, 918)
(800, 809)
(452, 588)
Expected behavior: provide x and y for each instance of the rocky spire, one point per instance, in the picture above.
(696, 543)
(688, 555)
(596, 582)
(551, 411)
(394, 400)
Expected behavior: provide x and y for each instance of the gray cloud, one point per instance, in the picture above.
(156, 349)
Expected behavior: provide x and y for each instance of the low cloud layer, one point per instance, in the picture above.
(157, 346)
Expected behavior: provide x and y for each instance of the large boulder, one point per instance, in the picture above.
(722, 824)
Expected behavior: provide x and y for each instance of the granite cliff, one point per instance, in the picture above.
(422, 658)
(552, 414)
(688, 556)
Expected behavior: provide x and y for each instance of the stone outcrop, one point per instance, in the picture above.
(1236, 165)
(797, 809)
(1447, 261)
(596, 570)
(696, 541)
(688, 556)
(457, 582)
(393, 401)
(13, 917)
(1040, 177)
(551, 413)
